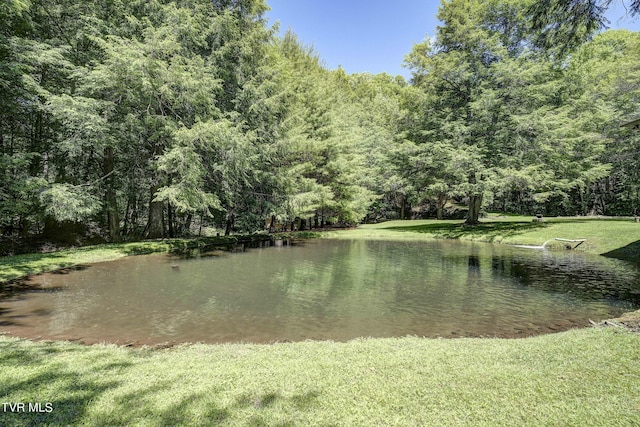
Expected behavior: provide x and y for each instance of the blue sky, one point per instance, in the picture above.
(373, 35)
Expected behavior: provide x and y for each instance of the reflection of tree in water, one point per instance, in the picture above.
(576, 274)
(474, 262)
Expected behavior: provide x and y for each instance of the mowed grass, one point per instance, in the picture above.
(13, 267)
(614, 237)
(588, 377)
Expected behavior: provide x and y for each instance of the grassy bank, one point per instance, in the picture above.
(13, 267)
(617, 238)
(580, 377)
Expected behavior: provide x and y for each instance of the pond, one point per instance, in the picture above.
(326, 289)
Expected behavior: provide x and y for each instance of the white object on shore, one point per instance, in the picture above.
(579, 241)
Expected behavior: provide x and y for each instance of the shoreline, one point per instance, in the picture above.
(610, 243)
(76, 258)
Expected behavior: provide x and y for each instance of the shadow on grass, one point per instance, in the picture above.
(142, 405)
(58, 393)
(630, 252)
(69, 394)
(110, 389)
(485, 230)
(30, 264)
(258, 402)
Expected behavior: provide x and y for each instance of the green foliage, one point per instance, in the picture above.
(467, 106)
(165, 117)
(69, 203)
(18, 192)
(564, 25)
(534, 134)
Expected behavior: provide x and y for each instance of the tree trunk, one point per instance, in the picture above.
(402, 206)
(475, 203)
(272, 224)
(230, 220)
(155, 225)
(113, 219)
(135, 214)
(187, 224)
(125, 226)
(24, 226)
(170, 220)
(442, 200)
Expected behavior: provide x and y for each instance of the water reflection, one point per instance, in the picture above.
(327, 290)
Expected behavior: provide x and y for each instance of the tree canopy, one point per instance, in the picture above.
(158, 118)
(563, 25)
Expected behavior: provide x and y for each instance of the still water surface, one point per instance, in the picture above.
(326, 289)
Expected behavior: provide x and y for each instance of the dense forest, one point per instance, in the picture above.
(153, 118)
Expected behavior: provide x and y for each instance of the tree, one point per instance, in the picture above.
(564, 25)
(605, 75)
(157, 89)
(136, 118)
(316, 156)
(467, 103)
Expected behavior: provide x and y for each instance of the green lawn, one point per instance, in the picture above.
(576, 378)
(21, 265)
(14, 267)
(618, 238)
